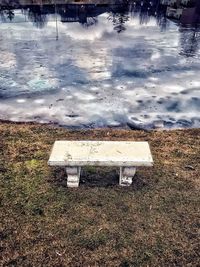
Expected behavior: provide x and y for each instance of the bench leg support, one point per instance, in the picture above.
(126, 175)
(73, 176)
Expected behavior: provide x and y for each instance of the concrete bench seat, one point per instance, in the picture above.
(75, 154)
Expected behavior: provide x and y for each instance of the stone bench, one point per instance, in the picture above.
(75, 154)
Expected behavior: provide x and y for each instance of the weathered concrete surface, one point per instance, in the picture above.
(73, 176)
(101, 153)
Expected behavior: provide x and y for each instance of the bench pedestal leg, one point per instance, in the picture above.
(126, 175)
(73, 176)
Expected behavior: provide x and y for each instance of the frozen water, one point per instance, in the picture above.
(97, 76)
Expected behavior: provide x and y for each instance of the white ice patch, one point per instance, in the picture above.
(21, 101)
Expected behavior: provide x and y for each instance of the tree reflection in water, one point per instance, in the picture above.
(189, 41)
(118, 20)
(119, 14)
(37, 17)
(7, 14)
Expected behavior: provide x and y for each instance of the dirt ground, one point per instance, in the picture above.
(155, 222)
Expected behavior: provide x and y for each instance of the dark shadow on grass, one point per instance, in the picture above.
(139, 183)
(58, 177)
(99, 176)
(96, 177)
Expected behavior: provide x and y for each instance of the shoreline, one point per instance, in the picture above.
(128, 126)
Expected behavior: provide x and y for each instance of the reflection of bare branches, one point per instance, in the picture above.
(10, 15)
(162, 22)
(189, 41)
(7, 14)
(10, 3)
(2, 16)
(38, 19)
(89, 22)
(119, 20)
(144, 17)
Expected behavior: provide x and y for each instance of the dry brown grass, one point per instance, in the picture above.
(156, 222)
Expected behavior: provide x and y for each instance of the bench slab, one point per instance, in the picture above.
(100, 153)
(75, 154)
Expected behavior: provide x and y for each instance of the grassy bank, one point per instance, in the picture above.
(156, 222)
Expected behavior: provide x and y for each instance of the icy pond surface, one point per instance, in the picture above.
(100, 74)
